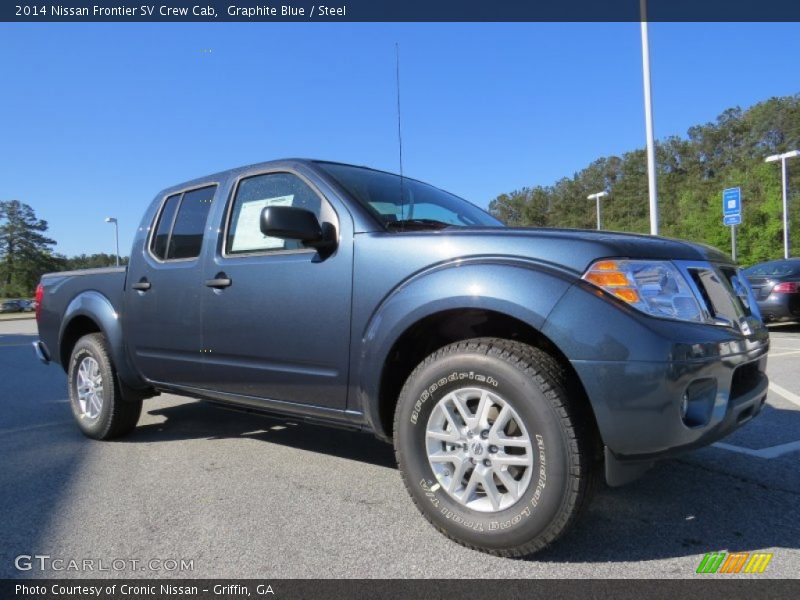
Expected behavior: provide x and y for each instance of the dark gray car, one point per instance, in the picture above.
(509, 367)
(776, 285)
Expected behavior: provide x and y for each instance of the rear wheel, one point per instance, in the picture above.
(95, 391)
(492, 446)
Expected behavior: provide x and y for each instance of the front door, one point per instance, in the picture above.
(276, 317)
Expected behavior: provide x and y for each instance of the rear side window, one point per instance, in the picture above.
(159, 242)
(179, 232)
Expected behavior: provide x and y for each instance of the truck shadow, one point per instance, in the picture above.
(784, 327)
(682, 507)
(193, 420)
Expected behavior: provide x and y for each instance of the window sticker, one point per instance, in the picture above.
(248, 234)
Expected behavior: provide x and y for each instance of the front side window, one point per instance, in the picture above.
(179, 231)
(256, 193)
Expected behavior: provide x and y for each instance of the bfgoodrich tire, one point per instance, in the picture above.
(95, 391)
(495, 451)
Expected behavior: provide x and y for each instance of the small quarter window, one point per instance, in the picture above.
(180, 235)
(161, 237)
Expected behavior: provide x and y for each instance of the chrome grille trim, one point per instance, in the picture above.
(709, 281)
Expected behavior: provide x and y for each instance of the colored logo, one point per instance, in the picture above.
(734, 562)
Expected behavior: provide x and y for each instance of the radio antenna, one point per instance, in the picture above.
(399, 128)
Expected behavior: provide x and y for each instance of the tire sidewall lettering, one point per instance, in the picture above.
(462, 376)
(541, 500)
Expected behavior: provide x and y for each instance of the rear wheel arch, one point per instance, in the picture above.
(77, 327)
(92, 312)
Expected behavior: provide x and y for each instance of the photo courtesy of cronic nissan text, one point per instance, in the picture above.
(400, 299)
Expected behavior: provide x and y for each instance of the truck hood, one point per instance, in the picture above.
(576, 249)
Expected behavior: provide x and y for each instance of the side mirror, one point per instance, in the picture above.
(294, 223)
(291, 223)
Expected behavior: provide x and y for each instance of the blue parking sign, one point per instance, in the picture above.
(732, 219)
(732, 201)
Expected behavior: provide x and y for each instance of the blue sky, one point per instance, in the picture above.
(97, 118)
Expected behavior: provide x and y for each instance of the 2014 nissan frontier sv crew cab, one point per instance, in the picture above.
(508, 367)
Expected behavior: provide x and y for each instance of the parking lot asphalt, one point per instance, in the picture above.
(250, 496)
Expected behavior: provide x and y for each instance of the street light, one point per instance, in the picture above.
(785, 179)
(116, 234)
(648, 122)
(597, 197)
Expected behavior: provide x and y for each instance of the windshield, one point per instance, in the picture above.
(778, 268)
(422, 206)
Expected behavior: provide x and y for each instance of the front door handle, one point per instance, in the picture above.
(220, 281)
(142, 285)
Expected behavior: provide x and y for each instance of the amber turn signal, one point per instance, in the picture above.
(608, 276)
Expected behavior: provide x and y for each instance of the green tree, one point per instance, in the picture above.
(692, 172)
(25, 251)
(93, 261)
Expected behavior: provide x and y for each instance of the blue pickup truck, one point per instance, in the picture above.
(510, 368)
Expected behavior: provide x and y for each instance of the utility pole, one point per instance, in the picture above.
(785, 179)
(648, 120)
(116, 234)
(597, 197)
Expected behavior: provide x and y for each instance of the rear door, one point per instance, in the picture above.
(280, 328)
(164, 291)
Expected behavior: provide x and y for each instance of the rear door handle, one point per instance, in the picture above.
(142, 285)
(219, 282)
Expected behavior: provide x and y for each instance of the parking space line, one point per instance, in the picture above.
(767, 453)
(776, 354)
(784, 393)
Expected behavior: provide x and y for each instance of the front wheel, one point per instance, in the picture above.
(493, 449)
(95, 391)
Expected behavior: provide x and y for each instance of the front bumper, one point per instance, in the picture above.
(639, 405)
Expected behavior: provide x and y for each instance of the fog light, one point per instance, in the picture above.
(697, 402)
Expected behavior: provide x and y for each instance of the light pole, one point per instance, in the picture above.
(597, 197)
(648, 122)
(116, 234)
(785, 180)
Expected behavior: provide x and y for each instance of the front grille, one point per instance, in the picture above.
(716, 287)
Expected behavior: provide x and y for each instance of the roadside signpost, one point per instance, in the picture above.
(732, 213)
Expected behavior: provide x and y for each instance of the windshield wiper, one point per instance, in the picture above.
(416, 224)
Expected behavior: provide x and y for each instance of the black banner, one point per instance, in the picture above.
(429, 589)
(401, 10)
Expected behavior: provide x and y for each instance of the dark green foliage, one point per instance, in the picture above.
(93, 261)
(25, 253)
(24, 249)
(692, 172)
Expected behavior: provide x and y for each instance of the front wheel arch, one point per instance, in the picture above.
(442, 328)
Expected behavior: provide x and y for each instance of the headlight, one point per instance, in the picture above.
(654, 287)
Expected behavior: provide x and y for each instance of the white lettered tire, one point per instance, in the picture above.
(95, 391)
(493, 447)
